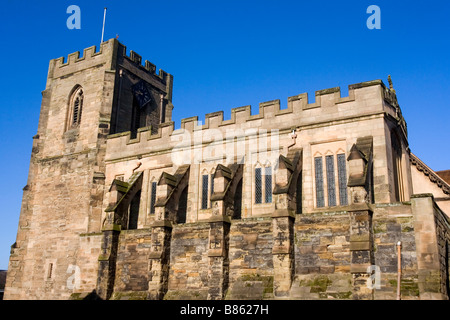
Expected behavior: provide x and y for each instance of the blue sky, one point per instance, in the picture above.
(227, 54)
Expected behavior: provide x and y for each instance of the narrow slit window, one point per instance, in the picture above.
(258, 186)
(318, 166)
(342, 177)
(205, 191)
(331, 186)
(50, 271)
(268, 184)
(153, 198)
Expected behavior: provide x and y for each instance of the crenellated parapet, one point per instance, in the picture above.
(366, 99)
(90, 58)
(104, 55)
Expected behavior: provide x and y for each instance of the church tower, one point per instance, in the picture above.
(86, 98)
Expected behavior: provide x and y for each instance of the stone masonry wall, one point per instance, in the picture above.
(132, 260)
(443, 242)
(188, 277)
(251, 264)
(89, 248)
(322, 256)
(393, 223)
(431, 231)
(65, 188)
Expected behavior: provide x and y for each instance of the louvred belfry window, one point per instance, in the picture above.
(77, 107)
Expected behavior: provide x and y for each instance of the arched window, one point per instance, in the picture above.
(331, 184)
(318, 170)
(263, 183)
(342, 178)
(153, 185)
(330, 178)
(75, 107)
(205, 185)
(207, 188)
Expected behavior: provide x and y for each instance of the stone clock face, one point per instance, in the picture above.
(141, 93)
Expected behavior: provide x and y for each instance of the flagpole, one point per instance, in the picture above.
(103, 29)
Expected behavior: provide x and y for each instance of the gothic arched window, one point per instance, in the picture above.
(330, 178)
(75, 107)
(207, 188)
(263, 183)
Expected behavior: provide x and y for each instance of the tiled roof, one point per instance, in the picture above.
(433, 176)
(445, 174)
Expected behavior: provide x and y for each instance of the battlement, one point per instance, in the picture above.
(147, 66)
(88, 53)
(299, 104)
(366, 99)
(91, 57)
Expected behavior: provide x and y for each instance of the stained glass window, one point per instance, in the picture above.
(320, 201)
(205, 191)
(153, 198)
(258, 186)
(331, 186)
(268, 184)
(212, 185)
(342, 177)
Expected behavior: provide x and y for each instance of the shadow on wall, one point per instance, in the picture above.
(2, 283)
